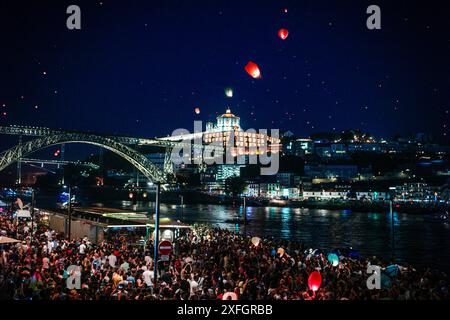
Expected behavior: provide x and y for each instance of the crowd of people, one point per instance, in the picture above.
(206, 264)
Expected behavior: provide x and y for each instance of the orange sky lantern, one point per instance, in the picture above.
(253, 70)
(283, 34)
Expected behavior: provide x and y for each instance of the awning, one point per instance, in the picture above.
(5, 240)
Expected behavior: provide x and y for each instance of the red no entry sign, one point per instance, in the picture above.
(165, 247)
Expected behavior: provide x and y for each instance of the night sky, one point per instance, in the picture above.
(142, 67)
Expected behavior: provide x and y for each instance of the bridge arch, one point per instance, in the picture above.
(138, 160)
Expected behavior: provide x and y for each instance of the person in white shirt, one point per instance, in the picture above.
(147, 276)
(50, 245)
(82, 248)
(112, 259)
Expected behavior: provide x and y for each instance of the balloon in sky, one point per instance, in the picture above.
(283, 34)
(256, 241)
(229, 92)
(314, 281)
(197, 110)
(253, 70)
(333, 259)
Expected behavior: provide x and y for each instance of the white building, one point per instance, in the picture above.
(325, 195)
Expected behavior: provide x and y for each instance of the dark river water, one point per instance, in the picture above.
(418, 240)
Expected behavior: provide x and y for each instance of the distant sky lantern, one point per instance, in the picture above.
(229, 92)
(280, 252)
(230, 296)
(285, 10)
(333, 259)
(314, 281)
(256, 241)
(283, 34)
(253, 70)
(197, 110)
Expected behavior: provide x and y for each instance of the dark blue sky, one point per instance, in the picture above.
(141, 67)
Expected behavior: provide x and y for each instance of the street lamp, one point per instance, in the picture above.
(32, 214)
(181, 206)
(69, 211)
(156, 236)
(391, 203)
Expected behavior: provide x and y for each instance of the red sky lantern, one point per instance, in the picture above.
(314, 281)
(197, 110)
(253, 70)
(283, 34)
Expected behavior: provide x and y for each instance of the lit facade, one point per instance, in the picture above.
(228, 132)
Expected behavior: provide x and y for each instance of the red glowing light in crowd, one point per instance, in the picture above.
(314, 281)
(253, 70)
(283, 34)
(197, 110)
(57, 152)
(285, 10)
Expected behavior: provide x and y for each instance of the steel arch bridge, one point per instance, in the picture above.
(138, 160)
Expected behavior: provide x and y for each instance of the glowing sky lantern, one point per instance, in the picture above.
(333, 259)
(229, 92)
(197, 110)
(314, 281)
(230, 296)
(283, 34)
(253, 70)
(280, 252)
(256, 241)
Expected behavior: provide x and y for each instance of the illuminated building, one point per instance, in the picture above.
(226, 171)
(325, 195)
(228, 132)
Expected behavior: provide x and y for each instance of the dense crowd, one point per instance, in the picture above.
(206, 264)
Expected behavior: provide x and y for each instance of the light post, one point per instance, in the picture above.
(156, 235)
(32, 214)
(181, 204)
(69, 208)
(245, 211)
(391, 211)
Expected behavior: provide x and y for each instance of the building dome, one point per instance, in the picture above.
(228, 121)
